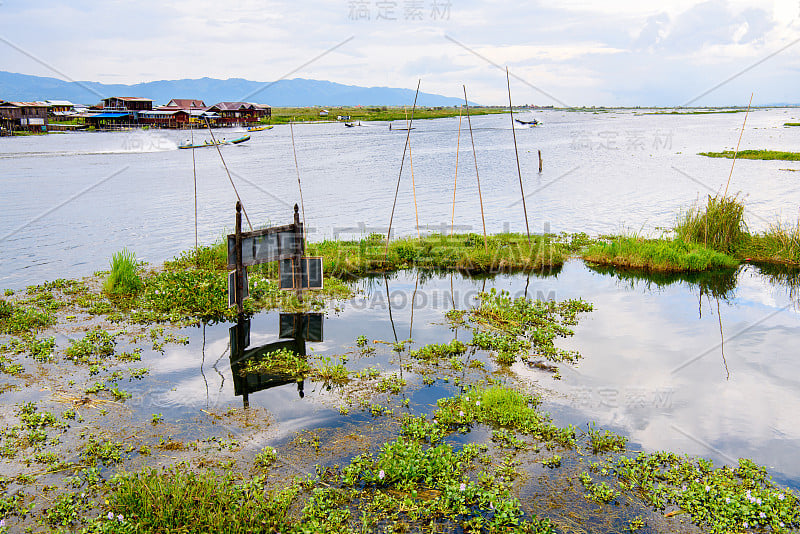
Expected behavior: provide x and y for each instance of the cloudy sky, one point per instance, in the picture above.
(570, 52)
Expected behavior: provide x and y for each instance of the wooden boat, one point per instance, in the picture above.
(401, 129)
(259, 128)
(534, 122)
(223, 141)
(349, 124)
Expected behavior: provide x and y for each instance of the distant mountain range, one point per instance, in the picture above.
(283, 93)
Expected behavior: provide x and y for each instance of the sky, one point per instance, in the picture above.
(566, 53)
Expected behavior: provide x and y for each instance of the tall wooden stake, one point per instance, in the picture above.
(455, 180)
(402, 161)
(299, 251)
(540, 161)
(737, 145)
(239, 267)
(519, 171)
(475, 156)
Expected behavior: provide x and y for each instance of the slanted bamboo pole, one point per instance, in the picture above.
(402, 161)
(475, 157)
(516, 152)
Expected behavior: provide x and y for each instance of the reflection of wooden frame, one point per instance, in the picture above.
(308, 274)
(232, 287)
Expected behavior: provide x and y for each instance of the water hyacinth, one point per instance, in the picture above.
(381, 474)
(462, 487)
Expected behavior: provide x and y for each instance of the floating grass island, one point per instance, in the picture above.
(755, 154)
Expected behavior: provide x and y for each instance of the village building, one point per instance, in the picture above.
(184, 103)
(28, 116)
(235, 113)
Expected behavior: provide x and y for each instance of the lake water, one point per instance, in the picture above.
(704, 366)
(69, 201)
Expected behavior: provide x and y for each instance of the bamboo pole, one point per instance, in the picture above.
(516, 152)
(214, 140)
(411, 167)
(475, 157)
(737, 145)
(402, 161)
(194, 173)
(297, 168)
(455, 180)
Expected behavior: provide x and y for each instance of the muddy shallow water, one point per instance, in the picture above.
(655, 366)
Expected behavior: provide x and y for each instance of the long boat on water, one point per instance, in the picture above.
(260, 128)
(223, 141)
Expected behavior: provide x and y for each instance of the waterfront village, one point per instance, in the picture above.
(124, 112)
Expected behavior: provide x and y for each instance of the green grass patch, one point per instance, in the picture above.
(502, 407)
(779, 244)
(657, 255)
(464, 252)
(755, 154)
(179, 501)
(124, 278)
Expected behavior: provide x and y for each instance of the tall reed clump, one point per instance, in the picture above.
(124, 278)
(719, 225)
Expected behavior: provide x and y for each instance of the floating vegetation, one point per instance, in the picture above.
(282, 362)
(755, 154)
(514, 327)
(720, 500)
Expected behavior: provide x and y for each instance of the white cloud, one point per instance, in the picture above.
(583, 52)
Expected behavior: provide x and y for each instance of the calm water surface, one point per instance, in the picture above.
(69, 201)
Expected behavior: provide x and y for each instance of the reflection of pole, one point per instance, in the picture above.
(239, 268)
(413, 298)
(722, 342)
(239, 356)
(389, 300)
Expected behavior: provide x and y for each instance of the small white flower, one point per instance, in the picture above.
(461, 414)
(748, 494)
(762, 515)
(758, 501)
(466, 398)
(781, 524)
(781, 496)
(2, 523)
(727, 500)
(120, 518)
(381, 474)
(745, 525)
(111, 515)
(478, 403)
(462, 487)
(708, 488)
